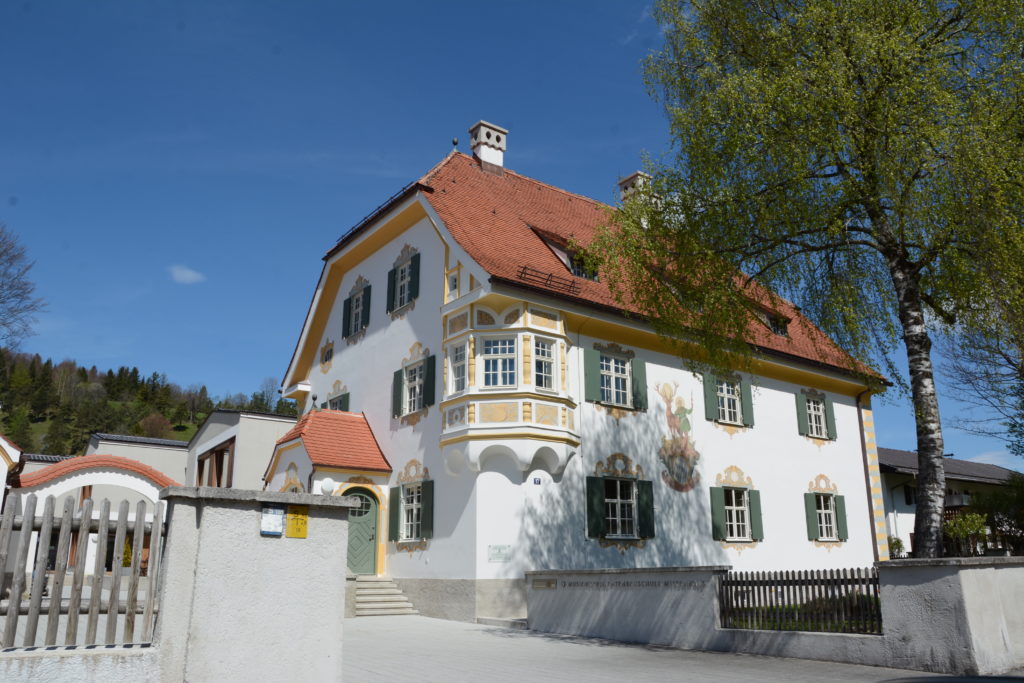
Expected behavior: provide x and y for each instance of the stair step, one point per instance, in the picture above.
(366, 578)
(399, 604)
(383, 590)
(394, 597)
(381, 612)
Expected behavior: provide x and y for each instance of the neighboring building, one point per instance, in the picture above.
(531, 422)
(232, 447)
(899, 481)
(166, 455)
(10, 455)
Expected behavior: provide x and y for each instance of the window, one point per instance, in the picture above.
(453, 286)
(729, 409)
(458, 366)
(356, 312)
(499, 362)
(826, 516)
(614, 380)
(816, 418)
(412, 387)
(909, 495)
(578, 267)
(338, 402)
(543, 363)
(404, 283)
(327, 356)
(411, 511)
(826, 509)
(728, 399)
(778, 325)
(619, 508)
(736, 514)
(815, 414)
(216, 466)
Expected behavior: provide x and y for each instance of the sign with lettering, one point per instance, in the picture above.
(297, 521)
(272, 521)
(499, 553)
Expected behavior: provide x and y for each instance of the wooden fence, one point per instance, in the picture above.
(831, 600)
(109, 596)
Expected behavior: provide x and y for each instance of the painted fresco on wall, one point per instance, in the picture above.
(678, 451)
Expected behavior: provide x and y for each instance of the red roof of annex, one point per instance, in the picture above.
(335, 438)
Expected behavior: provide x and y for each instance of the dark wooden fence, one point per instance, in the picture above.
(830, 600)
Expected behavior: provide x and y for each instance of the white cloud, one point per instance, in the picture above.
(184, 275)
(1001, 457)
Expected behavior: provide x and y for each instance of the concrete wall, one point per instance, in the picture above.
(171, 461)
(254, 446)
(958, 616)
(234, 605)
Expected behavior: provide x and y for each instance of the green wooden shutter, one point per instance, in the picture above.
(718, 513)
(841, 531)
(811, 513)
(592, 375)
(390, 304)
(756, 526)
(710, 396)
(397, 393)
(366, 308)
(427, 509)
(346, 318)
(801, 413)
(645, 509)
(746, 403)
(638, 375)
(595, 507)
(830, 419)
(343, 402)
(394, 512)
(414, 277)
(323, 406)
(429, 377)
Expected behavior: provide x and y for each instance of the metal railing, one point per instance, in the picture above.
(831, 600)
(52, 586)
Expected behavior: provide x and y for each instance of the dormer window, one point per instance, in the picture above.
(778, 324)
(571, 259)
(578, 267)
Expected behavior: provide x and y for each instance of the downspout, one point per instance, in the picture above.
(867, 473)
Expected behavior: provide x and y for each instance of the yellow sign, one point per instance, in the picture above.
(296, 522)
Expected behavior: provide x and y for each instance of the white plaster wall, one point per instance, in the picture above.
(293, 456)
(170, 461)
(254, 446)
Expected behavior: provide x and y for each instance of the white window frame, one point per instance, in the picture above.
(816, 425)
(499, 365)
(737, 514)
(415, 376)
(412, 512)
(730, 405)
(403, 278)
(620, 510)
(825, 507)
(458, 368)
(355, 321)
(453, 286)
(544, 365)
(611, 373)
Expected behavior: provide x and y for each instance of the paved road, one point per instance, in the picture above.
(414, 648)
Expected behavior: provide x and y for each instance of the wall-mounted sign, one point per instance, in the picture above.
(272, 521)
(499, 553)
(297, 521)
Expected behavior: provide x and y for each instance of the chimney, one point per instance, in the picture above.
(488, 143)
(633, 183)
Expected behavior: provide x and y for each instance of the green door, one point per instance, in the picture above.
(362, 533)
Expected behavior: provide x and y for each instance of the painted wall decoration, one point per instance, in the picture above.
(678, 451)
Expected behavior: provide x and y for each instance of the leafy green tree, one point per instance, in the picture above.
(1004, 507)
(58, 433)
(859, 158)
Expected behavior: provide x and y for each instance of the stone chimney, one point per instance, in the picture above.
(633, 183)
(488, 143)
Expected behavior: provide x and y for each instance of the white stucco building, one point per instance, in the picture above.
(530, 422)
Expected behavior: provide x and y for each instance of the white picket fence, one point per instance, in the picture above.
(91, 607)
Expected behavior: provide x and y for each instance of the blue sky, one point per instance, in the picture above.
(176, 169)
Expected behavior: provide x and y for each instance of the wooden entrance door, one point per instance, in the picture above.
(362, 533)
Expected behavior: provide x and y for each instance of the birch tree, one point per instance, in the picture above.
(857, 157)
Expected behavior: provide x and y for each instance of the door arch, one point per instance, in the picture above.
(362, 532)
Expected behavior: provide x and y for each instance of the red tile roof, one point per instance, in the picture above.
(95, 461)
(496, 218)
(335, 438)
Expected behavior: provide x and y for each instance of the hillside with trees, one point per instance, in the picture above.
(53, 408)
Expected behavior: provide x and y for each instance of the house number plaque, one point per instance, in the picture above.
(297, 520)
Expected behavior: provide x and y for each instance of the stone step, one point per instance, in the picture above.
(383, 590)
(381, 612)
(368, 578)
(391, 604)
(390, 597)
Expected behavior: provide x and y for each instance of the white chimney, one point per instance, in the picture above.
(488, 142)
(633, 183)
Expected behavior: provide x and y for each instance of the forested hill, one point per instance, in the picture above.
(53, 408)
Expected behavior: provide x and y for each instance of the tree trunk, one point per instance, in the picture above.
(931, 475)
